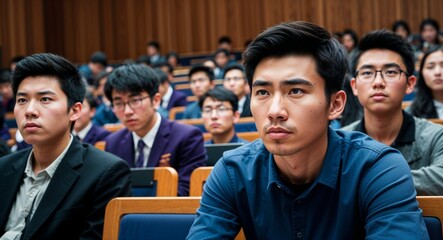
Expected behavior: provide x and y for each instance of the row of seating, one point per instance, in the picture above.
(154, 217)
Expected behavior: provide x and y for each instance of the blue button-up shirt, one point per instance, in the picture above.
(364, 190)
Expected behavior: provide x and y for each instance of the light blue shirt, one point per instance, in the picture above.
(364, 191)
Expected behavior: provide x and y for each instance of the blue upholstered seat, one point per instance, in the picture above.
(155, 226)
(433, 225)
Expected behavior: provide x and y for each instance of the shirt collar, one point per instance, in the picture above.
(241, 103)
(406, 134)
(149, 138)
(167, 97)
(84, 131)
(50, 170)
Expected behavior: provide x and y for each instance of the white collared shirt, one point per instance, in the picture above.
(241, 103)
(30, 195)
(439, 108)
(83, 132)
(148, 139)
(167, 97)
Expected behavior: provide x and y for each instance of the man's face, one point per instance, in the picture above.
(429, 34)
(200, 83)
(151, 51)
(218, 117)
(96, 68)
(6, 91)
(348, 42)
(221, 59)
(289, 105)
(140, 117)
(235, 82)
(433, 72)
(379, 96)
(86, 115)
(41, 111)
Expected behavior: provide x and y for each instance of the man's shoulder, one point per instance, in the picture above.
(427, 129)
(247, 154)
(178, 128)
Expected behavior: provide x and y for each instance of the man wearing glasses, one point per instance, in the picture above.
(383, 75)
(219, 112)
(149, 140)
(234, 80)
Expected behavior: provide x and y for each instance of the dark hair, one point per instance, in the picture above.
(17, 59)
(300, 38)
(164, 64)
(235, 67)
(51, 65)
(353, 35)
(100, 58)
(100, 76)
(154, 44)
(384, 39)
(201, 68)
(173, 54)
(132, 78)
(220, 94)
(161, 75)
(433, 23)
(5, 76)
(224, 39)
(401, 23)
(423, 104)
(221, 50)
(91, 101)
(353, 110)
(144, 59)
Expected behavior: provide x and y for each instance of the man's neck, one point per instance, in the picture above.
(383, 127)
(45, 154)
(223, 138)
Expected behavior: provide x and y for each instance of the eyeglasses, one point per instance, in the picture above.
(133, 103)
(235, 79)
(389, 74)
(219, 111)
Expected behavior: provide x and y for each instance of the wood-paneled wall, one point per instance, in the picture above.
(121, 28)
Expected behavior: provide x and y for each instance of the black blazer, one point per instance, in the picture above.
(247, 107)
(73, 205)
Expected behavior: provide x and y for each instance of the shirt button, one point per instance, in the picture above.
(299, 234)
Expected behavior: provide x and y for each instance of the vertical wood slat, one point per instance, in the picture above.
(76, 28)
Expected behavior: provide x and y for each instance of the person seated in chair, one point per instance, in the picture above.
(220, 114)
(201, 79)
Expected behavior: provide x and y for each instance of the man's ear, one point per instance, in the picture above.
(236, 117)
(75, 111)
(156, 100)
(410, 84)
(353, 83)
(337, 105)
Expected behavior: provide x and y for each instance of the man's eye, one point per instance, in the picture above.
(296, 91)
(45, 99)
(366, 73)
(21, 100)
(261, 92)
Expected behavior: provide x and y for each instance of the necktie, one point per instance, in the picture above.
(141, 155)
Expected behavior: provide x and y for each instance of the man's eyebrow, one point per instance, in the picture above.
(261, 83)
(384, 65)
(288, 82)
(46, 92)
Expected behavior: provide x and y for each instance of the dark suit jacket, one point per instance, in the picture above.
(247, 108)
(73, 206)
(95, 134)
(181, 145)
(177, 99)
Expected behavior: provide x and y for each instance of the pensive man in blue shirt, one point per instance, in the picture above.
(302, 179)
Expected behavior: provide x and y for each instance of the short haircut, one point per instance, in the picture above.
(161, 75)
(235, 67)
(90, 100)
(384, 39)
(431, 22)
(144, 59)
(100, 58)
(220, 94)
(100, 76)
(224, 39)
(221, 50)
(201, 68)
(300, 38)
(5, 76)
(134, 79)
(164, 64)
(401, 23)
(51, 65)
(154, 44)
(17, 59)
(351, 33)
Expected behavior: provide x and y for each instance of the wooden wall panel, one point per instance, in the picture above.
(77, 28)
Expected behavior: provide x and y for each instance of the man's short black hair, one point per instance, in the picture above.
(201, 68)
(161, 75)
(5, 76)
(384, 39)
(235, 67)
(300, 38)
(161, 64)
(220, 94)
(224, 39)
(154, 44)
(100, 58)
(221, 50)
(51, 65)
(134, 79)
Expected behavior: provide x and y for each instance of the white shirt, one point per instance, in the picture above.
(30, 195)
(84, 131)
(167, 97)
(439, 108)
(241, 103)
(148, 139)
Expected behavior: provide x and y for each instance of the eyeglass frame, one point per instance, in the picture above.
(381, 73)
(208, 111)
(137, 100)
